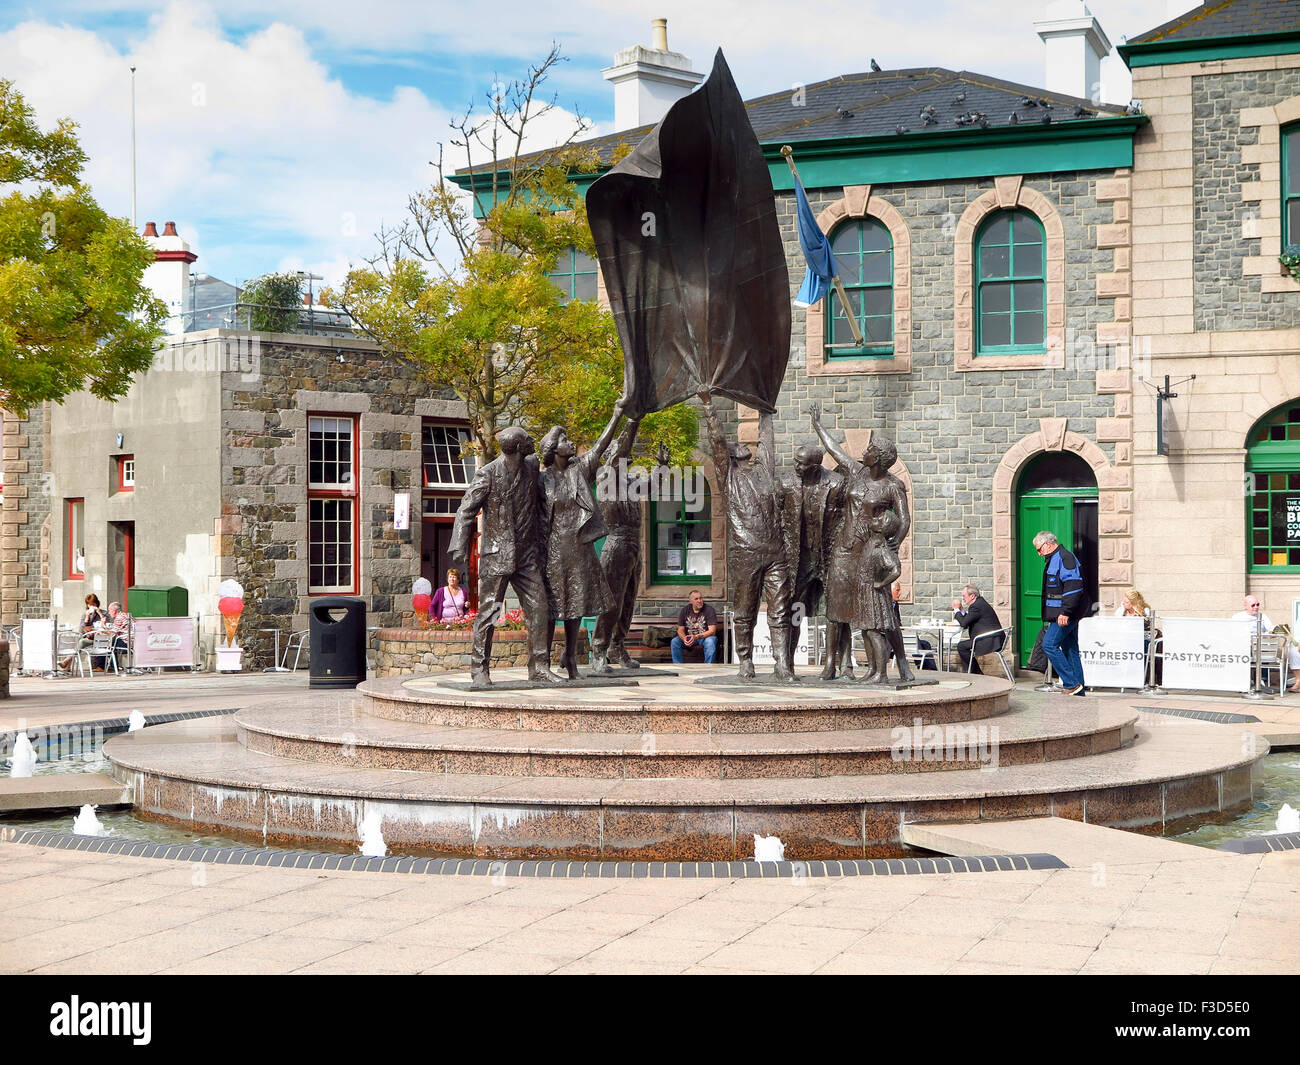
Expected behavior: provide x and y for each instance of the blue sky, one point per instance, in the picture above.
(283, 135)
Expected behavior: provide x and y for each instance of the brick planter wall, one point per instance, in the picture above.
(403, 652)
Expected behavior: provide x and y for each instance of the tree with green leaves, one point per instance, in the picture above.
(74, 313)
(465, 290)
(272, 302)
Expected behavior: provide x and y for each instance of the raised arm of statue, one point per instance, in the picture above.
(718, 442)
(841, 457)
(626, 439)
(590, 462)
(765, 455)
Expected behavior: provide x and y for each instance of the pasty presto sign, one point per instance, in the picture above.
(1208, 654)
(1113, 652)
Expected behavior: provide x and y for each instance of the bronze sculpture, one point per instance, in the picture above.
(507, 493)
(810, 516)
(864, 558)
(756, 560)
(571, 524)
(620, 558)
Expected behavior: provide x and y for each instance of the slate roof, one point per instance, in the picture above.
(1228, 18)
(878, 104)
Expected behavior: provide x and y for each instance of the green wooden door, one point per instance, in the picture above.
(1050, 509)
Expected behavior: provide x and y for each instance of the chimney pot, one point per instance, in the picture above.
(169, 230)
(659, 34)
(150, 229)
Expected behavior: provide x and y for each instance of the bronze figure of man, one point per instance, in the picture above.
(756, 560)
(620, 558)
(507, 493)
(812, 503)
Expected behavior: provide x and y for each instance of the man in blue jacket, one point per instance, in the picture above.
(1065, 603)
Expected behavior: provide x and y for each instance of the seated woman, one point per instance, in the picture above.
(92, 619)
(1133, 605)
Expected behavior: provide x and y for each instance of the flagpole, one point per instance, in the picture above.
(788, 152)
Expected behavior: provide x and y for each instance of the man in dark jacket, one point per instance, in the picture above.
(1065, 604)
(976, 615)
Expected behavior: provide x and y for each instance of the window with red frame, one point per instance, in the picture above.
(126, 473)
(74, 551)
(332, 504)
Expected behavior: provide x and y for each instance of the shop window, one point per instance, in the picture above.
(1273, 502)
(682, 540)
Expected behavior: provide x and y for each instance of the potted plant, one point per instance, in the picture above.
(1290, 260)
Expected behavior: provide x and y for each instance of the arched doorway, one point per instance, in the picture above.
(1057, 492)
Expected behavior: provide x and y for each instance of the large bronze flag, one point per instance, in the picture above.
(692, 257)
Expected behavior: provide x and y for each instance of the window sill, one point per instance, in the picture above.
(859, 361)
(1049, 357)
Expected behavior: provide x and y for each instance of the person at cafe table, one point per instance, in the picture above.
(119, 623)
(1250, 613)
(976, 616)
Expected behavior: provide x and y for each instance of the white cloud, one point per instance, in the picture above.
(264, 157)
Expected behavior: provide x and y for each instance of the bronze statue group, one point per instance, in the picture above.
(795, 539)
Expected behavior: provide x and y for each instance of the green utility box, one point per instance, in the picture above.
(144, 601)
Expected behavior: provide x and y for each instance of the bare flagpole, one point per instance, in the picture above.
(788, 152)
(133, 223)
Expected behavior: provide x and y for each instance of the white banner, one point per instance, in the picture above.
(402, 510)
(1207, 654)
(1113, 652)
(38, 645)
(763, 643)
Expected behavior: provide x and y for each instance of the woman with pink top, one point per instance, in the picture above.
(449, 601)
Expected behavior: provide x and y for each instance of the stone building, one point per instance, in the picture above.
(275, 459)
(1215, 196)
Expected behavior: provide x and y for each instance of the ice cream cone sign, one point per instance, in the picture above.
(230, 601)
(421, 598)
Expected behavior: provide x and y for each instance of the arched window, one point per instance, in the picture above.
(681, 537)
(1010, 284)
(1273, 482)
(575, 275)
(864, 253)
(1291, 185)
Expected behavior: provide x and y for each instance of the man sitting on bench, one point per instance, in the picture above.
(697, 626)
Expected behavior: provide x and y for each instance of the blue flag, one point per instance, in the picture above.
(816, 249)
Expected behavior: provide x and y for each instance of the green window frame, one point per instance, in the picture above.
(1290, 185)
(681, 541)
(864, 252)
(575, 275)
(1273, 492)
(1010, 284)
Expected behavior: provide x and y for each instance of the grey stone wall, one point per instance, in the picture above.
(953, 428)
(263, 541)
(1224, 298)
(24, 519)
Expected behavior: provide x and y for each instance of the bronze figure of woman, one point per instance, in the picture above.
(863, 560)
(571, 525)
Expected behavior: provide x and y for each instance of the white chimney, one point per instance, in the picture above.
(169, 276)
(648, 81)
(1076, 44)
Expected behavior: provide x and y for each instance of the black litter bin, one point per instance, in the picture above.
(338, 642)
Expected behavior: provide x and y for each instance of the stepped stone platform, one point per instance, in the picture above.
(670, 769)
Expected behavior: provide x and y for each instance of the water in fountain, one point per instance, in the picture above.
(1288, 818)
(24, 759)
(372, 836)
(135, 721)
(768, 848)
(87, 824)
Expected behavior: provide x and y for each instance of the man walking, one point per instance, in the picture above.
(1065, 603)
(510, 553)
